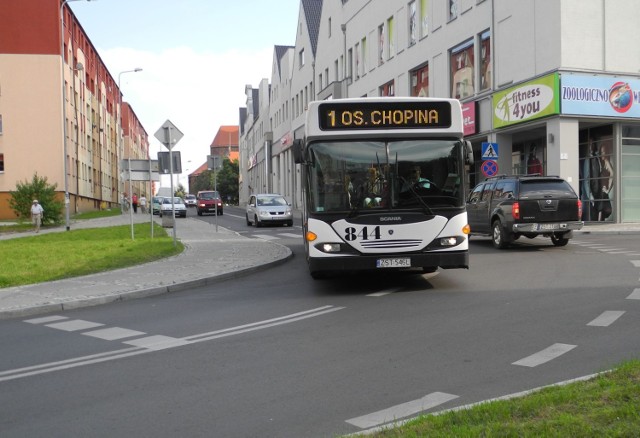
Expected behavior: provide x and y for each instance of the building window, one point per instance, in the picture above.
(1, 162)
(485, 61)
(424, 18)
(387, 89)
(420, 82)
(363, 47)
(453, 9)
(391, 38)
(329, 27)
(462, 71)
(381, 44)
(357, 69)
(413, 25)
(301, 58)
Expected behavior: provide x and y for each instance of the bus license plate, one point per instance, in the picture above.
(393, 263)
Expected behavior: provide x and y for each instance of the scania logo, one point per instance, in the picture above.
(390, 218)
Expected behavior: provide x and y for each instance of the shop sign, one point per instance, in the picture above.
(599, 95)
(528, 101)
(469, 118)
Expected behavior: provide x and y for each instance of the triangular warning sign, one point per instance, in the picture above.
(490, 153)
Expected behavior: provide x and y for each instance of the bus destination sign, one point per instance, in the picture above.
(384, 115)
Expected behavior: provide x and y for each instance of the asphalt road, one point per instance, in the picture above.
(277, 354)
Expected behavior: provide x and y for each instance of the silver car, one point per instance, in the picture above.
(269, 208)
(178, 205)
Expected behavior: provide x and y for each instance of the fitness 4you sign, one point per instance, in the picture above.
(528, 101)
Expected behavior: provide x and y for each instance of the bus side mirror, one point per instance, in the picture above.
(468, 152)
(298, 157)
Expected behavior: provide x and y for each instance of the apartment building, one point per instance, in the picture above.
(552, 86)
(61, 112)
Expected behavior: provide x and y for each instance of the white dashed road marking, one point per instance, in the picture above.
(147, 344)
(544, 356)
(384, 292)
(157, 343)
(607, 318)
(114, 333)
(266, 236)
(291, 235)
(636, 263)
(45, 319)
(403, 410)
(635, 295)
(74, 325)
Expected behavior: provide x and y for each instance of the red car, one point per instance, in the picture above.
(209, 201)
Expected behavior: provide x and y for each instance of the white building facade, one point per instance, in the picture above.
(552, 85)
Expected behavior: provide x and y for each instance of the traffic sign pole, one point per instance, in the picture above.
(169, 135)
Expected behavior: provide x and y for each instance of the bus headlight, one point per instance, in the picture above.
(331, 247)
(448, 241)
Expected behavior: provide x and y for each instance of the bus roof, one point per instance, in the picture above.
(376, 117)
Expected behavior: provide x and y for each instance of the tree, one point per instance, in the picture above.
(45, 193)
(180, 191)
(228, 185)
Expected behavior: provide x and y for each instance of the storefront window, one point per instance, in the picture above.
(528, 157)
(597, 174)
(630, 174)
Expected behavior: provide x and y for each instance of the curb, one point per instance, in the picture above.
(142, 293)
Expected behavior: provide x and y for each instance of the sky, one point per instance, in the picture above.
(196, 57)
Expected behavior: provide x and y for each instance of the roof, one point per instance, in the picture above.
(227, 136)
(281, 51)
(200, 169)
(312, 14)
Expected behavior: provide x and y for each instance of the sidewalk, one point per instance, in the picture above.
(208, 257)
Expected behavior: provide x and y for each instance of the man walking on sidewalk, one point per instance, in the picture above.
(36, 215)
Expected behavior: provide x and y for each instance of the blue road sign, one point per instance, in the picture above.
(489, 151)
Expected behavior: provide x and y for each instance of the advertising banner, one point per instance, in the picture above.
(528, 101)
(599, 95)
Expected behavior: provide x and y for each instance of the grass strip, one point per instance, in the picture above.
(54, 256)
(605, 406)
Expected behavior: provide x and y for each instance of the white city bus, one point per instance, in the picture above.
(384, 182)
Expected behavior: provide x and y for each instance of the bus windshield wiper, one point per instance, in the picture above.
(427, 209)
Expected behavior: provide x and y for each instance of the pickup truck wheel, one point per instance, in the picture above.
(559, 240)
(498, 236)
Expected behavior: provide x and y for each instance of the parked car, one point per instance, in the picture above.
(507, 207)
(209, 201)
(156, 202)
(190, 200)
(268, 208)
(178, 205)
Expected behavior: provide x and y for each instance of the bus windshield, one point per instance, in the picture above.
(373, 175)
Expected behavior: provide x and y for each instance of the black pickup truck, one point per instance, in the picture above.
(507, 207)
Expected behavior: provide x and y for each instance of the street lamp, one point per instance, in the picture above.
(64, 114)
(121, 147)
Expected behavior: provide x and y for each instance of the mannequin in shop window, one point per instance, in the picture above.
(534, 166)
(605, 184)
